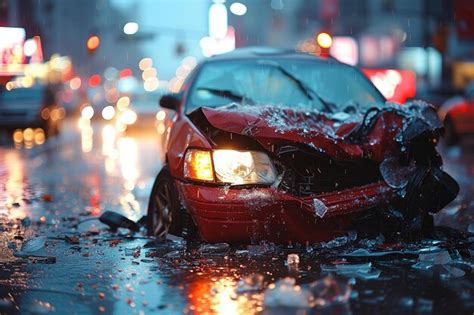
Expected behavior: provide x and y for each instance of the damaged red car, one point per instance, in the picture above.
(267, 144)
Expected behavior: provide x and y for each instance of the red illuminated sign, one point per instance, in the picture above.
(11, 45)
(396, 85)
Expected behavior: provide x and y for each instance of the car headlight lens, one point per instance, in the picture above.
(230, 166)
(243, 167)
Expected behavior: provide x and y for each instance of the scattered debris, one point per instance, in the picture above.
(251, 283)
(33, 245)
(337, 242)
(47, 198)
(320, 208)
(364, 253)
(293, 261)
(115, 221)
(261, 249)
(362, 271)
(214, 249)
(74, 240)
(135, 252)
(436, 258)
(329, 291)
(41, 259)
(285, 293)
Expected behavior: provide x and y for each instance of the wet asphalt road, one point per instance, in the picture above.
(80, 174)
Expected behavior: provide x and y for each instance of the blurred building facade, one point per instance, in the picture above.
(66, 25)
(432, 38)
(428, 37)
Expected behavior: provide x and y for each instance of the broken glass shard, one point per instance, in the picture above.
(33, 245)
(319, 207)
(436, 258)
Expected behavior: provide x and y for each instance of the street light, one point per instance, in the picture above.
(324, 40)
(93, 43)
(131, 28)
(238, 8)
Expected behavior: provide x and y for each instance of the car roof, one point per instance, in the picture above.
(272, 52)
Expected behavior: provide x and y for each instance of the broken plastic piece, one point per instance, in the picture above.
(115, 221)
(319, 207)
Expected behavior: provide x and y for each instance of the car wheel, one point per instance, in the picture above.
(165, 212)
(450, 135)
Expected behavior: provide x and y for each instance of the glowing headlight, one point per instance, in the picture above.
(243, 167)
(229, 166)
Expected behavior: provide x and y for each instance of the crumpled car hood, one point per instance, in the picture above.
(331, 134)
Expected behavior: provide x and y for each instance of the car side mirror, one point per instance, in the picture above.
(170, 101)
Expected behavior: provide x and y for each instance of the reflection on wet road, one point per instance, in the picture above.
(90, 168)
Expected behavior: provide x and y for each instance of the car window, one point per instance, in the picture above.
(309, 85)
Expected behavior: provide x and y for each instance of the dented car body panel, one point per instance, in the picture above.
(252, 215)
(328, 165)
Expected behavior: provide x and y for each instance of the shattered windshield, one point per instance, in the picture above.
(302, 84)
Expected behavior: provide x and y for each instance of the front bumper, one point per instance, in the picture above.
(244, 215)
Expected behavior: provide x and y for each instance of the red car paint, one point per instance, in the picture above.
(379, 143)
(243, 215)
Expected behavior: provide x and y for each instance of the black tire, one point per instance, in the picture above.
(165, 211)
(450, 135)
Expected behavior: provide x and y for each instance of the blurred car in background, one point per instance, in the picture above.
(139, 110)
(457, 113)
(30, 109)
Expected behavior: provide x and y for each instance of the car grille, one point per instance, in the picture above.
(307, 173)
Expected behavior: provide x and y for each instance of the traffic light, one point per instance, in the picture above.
(93, 42)
(324, 41)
